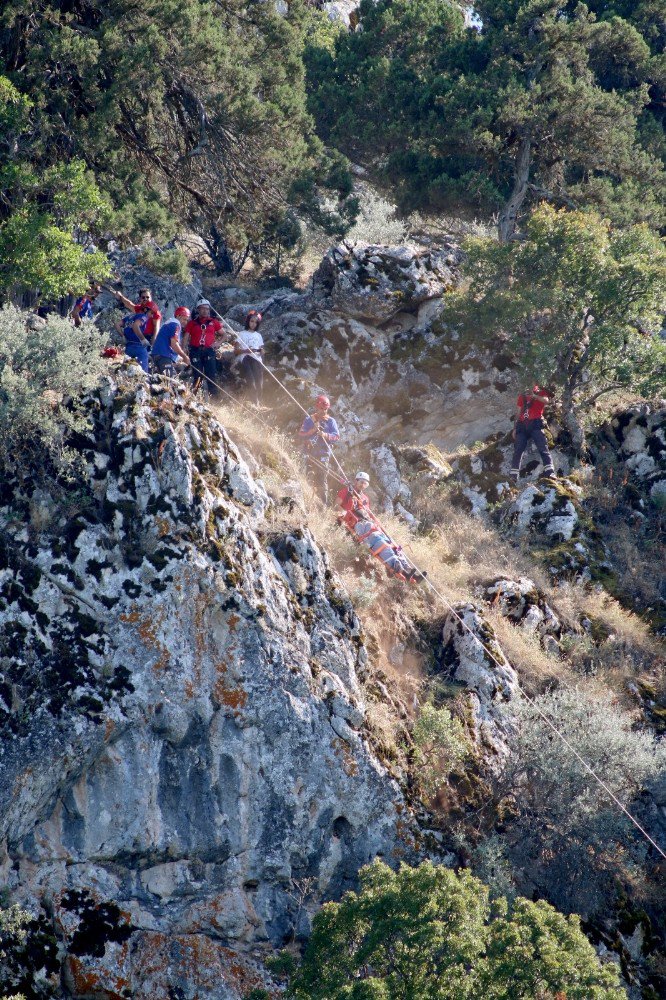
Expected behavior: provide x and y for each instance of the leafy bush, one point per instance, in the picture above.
(430, 933)
(41, 210)
(376, 222)
(567, 836)
(43, 373)
(170, 263)
(439, 744)
(13, 923)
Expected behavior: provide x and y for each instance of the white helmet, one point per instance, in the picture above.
(362, 475)
(202, 302)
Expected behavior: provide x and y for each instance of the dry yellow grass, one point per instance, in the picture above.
(459, 554)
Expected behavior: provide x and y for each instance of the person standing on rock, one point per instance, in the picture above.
(144, 305)
(318, 432)
(137, 344)
(166, 346)
(353, 500)
(201, 335)
(249, 346)
(530, 426)
(83, 307)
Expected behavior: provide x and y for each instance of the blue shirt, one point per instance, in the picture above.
(85, 307)
(162, 344)
(315, 444)
(128, 323)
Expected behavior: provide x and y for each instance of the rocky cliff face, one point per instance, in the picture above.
(367, 331)
(183, 758)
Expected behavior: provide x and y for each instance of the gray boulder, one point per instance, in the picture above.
(374, 283)
(473, 657)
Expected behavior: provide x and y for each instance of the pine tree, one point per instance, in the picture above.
(188, 112)
(546, 101)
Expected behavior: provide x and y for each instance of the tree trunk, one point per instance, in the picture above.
(509, 214)
(572, 423)
(219, 251)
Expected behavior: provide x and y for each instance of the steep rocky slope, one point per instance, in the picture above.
(203, 738)
(183, 760)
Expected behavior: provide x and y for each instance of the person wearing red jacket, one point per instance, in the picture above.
(145, 304)
(202, 333)
(530, 426)
(353, 500)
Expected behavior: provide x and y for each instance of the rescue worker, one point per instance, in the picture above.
(137, 344)
(530, 426)
(318, 432)
(368, 531)
(167, 344)
(83, 307)
(201, 335)
(249, 346)
(353, 500)
(144, 305)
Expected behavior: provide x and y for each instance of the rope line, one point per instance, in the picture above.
(551, 725)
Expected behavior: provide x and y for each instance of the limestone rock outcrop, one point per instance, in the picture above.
(472, 656)
(520, 602)
(182, 751)
(368, 332)
(639, 435)
(550, 513)
(375, 283)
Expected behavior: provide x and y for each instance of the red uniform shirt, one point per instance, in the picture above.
(140, 307)
(355, 505)
(202, 332)
(532, 410)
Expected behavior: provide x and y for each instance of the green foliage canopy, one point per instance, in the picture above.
(187, 112)
(578, 300)
(43, 210)
(546, 101)
(432, 934)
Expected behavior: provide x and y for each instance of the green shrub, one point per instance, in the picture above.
(13, 922)
(43, 374)
(439, 744)
(567, 836)
(169, 263)
(432, 934)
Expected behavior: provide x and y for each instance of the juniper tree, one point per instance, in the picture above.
(546, 101)
(430, 933)
(188, 112)
(579, 301)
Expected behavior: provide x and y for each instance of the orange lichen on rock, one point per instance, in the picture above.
(148, 629)
(89, 979)
(234, 698)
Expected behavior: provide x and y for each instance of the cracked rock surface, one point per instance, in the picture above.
(182, 746)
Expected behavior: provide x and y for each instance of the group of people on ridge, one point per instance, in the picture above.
(193, 338)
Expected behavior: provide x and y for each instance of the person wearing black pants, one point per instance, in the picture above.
(530, 426)
(250, 348)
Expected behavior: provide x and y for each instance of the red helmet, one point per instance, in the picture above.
(182, 311)
(322, 401)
